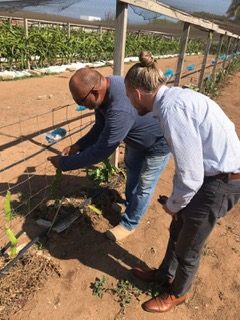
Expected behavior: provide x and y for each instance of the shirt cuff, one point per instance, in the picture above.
(62, 164)
(173, 206)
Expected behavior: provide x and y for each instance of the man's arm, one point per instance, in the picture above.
(117, 126)
(183, 136)
(93, 134)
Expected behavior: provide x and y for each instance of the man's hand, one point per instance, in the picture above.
(55, 161)
(70, 150)
(163, 201)
(172, 214)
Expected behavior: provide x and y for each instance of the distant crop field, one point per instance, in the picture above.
(51, 45)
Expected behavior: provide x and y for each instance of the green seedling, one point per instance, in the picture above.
(55, 187)
(105, 172)
(8, 217)
(124, 292)
(98, 287)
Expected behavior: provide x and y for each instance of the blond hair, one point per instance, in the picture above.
(145, 74)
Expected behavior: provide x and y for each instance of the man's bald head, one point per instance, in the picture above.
(84, 79)
(84, 82)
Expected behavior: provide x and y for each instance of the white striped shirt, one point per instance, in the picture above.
(201, 138)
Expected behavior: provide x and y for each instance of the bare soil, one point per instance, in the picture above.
(82, 252)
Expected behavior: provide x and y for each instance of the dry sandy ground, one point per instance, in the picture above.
(86, 254)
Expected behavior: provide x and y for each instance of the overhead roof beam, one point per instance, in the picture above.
(161, 8)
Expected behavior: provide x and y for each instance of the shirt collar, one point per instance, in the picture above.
(159, 96)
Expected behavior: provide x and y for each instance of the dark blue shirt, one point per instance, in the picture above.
(115, 121)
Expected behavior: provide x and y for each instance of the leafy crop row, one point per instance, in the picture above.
(50, 45)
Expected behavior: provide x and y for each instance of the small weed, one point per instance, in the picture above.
(124, 292)
(98, 287)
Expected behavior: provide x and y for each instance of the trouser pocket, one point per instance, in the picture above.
(224, 203)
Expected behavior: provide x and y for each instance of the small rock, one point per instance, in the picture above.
(152, 250)
(45, 97)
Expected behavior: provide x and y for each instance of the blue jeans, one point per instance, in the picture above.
(143, 171)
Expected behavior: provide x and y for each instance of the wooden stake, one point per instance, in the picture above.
(208, 45)
(228, 48)
(183, 47)
(119, 51)
(120, 37)
(69, 30)
(217, 56)
(26, 35)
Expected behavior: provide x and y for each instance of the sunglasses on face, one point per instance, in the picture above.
(81, 101)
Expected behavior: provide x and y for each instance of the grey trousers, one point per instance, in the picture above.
(193, 225)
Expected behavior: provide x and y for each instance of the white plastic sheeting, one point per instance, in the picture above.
(10, 75)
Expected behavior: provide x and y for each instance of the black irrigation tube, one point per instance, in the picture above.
(44, 233)
(5, 269)
(8, 245)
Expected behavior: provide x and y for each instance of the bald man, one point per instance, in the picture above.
(116, 121)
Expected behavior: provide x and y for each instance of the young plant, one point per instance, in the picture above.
(8, 217)
(55, 187)
(103, 173)
(98, 287)
(124, 292)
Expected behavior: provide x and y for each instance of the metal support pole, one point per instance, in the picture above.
(217, 56)
(208, 46)
(119, 50)
(183, 47)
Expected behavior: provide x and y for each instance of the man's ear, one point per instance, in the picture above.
(138, 93)
(95, 92)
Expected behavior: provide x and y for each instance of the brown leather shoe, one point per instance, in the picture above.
(162, 303)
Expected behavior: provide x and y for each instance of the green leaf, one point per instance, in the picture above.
(94, 209)
(7, 207)
(11, 237)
